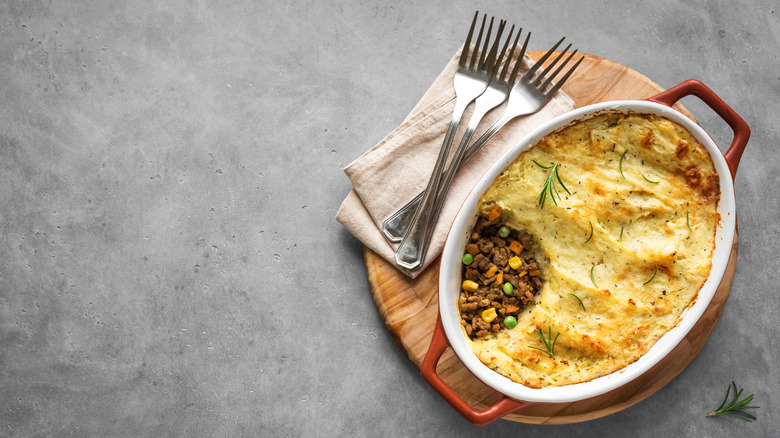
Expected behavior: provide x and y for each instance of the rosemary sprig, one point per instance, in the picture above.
(591, 233)
(651, 182)
(620, 166)
(549, 342)
(620, 239)
(735, 407)
(578, 299)
(688, 220)
(655, 267)
(592, 278)
(549, 188)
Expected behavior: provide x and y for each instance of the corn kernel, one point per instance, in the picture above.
(488, 315)
(515, 262)
(470, 286)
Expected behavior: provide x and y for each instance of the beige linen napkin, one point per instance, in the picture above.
(397, 168)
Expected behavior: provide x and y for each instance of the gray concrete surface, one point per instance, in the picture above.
(170, 264)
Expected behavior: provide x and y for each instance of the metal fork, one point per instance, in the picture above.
(527, 97)
(471, 80)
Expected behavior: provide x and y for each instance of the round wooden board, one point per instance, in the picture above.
(409, 307)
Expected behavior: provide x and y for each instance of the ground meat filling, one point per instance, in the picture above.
(496, 261)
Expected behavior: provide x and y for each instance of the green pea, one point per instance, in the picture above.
(508, 288)
(503, 231)
(510, 322)
(467, 259)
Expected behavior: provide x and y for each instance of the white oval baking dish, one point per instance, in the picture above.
(448, 330)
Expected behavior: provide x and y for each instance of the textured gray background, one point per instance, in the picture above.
(170, 264)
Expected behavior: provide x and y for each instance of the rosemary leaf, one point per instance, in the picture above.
(655, 271)
(620, 239)
(578, 299)
(543, 166)
(651, 182)
(554, 189)
(558, 177)
(592, 278)
(688, 220)
(591, 233)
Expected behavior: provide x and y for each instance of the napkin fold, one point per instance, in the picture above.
(396, 169)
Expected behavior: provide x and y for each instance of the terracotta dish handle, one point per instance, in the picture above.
(438, 345)
(737, 124)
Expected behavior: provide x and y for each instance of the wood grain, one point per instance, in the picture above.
(409, 307)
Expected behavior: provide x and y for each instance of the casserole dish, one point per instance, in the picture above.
(448, 332)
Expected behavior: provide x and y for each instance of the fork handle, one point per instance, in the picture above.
(482, 108)
(411, 251)
(395, 226)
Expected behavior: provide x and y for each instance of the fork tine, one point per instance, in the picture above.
(547, 69)
(564, 78)
(519, 62)
(464, 54)
(552, 76)
(479, 41)
(511, 52)
(491, 63)
(483, 54)
(541, 60)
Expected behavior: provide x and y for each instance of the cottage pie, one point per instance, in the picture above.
(621, 214)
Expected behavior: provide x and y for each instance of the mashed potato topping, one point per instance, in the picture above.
(649, 191)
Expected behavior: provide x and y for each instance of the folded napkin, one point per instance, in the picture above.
(399, 167)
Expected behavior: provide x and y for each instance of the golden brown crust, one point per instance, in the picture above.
(649, 191)
(682, 149)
